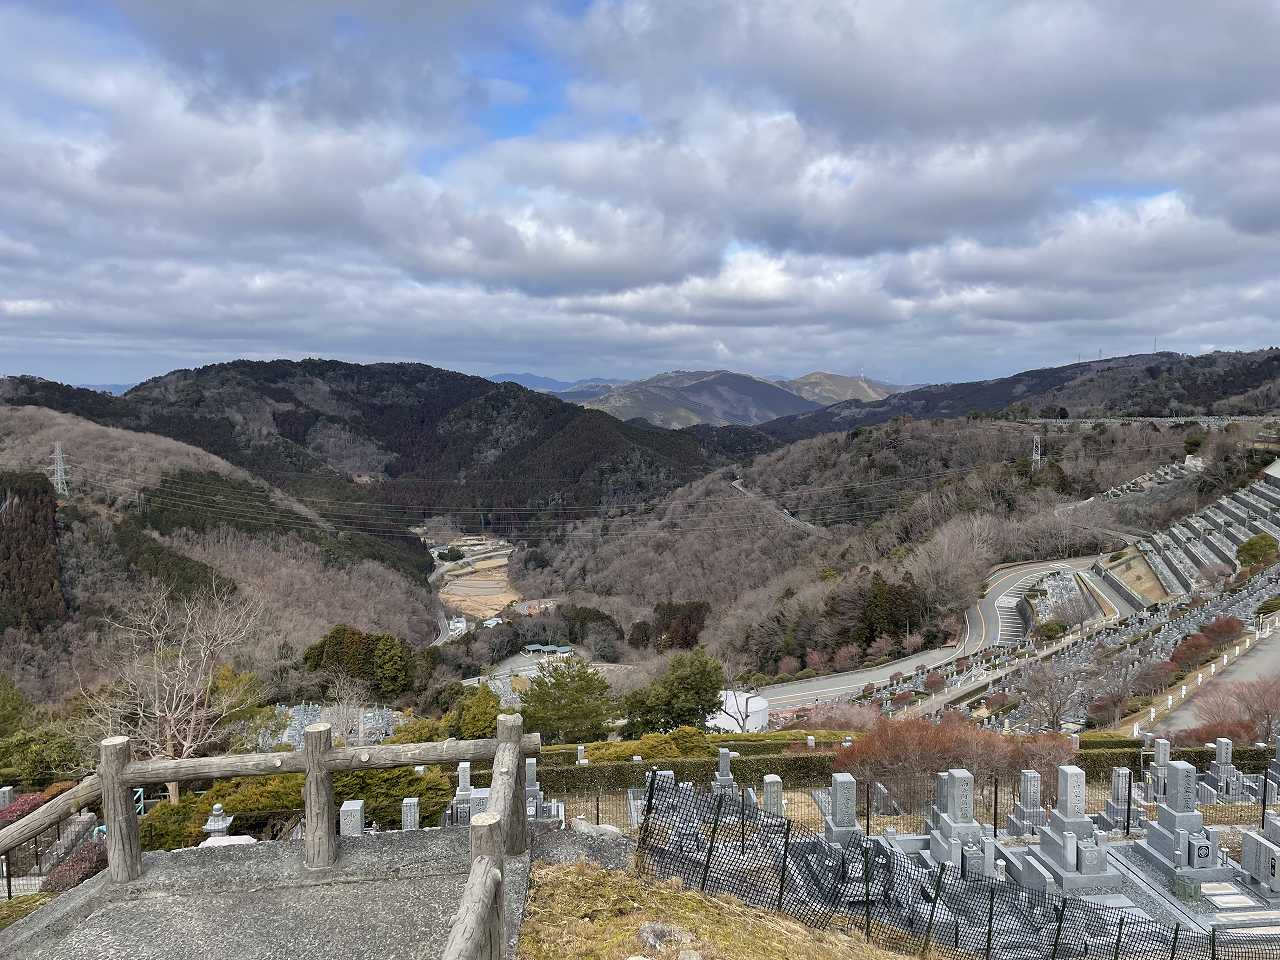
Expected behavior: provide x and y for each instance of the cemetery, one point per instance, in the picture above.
(1142, 853)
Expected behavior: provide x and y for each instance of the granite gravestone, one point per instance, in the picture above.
(1178, 844)
(1071, 850)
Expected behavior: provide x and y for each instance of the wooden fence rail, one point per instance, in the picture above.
(86, 792)
(478, 931)
(479, 926)
(118, 773)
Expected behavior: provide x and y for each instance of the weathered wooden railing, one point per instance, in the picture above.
(118, 773)
(479, 926)
(47, 815)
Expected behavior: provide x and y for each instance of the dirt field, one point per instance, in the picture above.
(480, 591)
(1137, 575)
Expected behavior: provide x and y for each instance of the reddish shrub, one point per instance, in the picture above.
(1192, 651)
(20, 807)
(919, 748)
(87, 860)
(57, 789)
(1239, 731)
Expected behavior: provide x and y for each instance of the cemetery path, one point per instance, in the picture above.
(1262, 659)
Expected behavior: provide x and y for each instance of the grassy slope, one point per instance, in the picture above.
(584, 911)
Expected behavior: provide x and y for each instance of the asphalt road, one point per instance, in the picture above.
(984, 623)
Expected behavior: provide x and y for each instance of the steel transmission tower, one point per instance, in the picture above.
(60, 471)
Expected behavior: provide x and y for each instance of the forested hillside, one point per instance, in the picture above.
(1143, 385)
(906, 519)
(428, 440)
(30, 584)
(155, 510)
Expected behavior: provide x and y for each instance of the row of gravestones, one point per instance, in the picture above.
(1071, 848)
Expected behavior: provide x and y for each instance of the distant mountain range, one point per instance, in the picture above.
(684, 398)
(828, 388)
(573, 390)
(1141, 385)
(440, 440)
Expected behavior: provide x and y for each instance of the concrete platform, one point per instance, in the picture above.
(390, 897)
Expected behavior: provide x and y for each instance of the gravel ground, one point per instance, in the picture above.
(391, 897)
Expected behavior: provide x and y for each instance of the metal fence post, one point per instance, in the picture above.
(1177, 929)
(8, 877)
(1266, 782)
(933, 909)
(711, 842)
(867, 861)
(1057, 934)
(1213, 943)
(991, 920)
(598, 792)
(648, 808)
(786, 847)
(1119, 937)
(868, 808)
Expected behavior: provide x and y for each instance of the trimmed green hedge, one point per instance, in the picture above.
(746, 744)
(797, 768)
(1107, 741)
(1097, 764)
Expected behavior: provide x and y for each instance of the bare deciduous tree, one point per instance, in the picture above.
(1049, 690)
(170, 688)
(348, 698)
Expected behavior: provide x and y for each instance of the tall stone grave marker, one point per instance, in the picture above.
(1071, 850)
(1261, 857)
(773, 794)
(952, 826)
(410, 816)
(1178, 844)
(841, 823)
(1027, 811)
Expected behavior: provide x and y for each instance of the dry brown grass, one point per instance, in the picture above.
(584, 911)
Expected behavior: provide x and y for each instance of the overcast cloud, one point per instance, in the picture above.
(931, 190)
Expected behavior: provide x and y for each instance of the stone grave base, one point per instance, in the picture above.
(1067, 881)
(1186, 874)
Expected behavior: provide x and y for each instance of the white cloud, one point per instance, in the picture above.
(924, 190)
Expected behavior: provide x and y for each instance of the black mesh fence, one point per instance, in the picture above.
(721, 844)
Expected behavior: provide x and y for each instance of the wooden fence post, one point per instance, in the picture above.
(510, 731)
(486, 836)
(319, 845)
(124, 853)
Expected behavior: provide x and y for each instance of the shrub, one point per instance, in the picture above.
(919, 748)
(20, 807)
(56, 789)
(169, 826)
(87, 860)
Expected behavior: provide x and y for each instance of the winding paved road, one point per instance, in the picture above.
(985, 622)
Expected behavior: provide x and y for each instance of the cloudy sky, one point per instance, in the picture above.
(926, 190)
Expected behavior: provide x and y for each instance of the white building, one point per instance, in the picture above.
(737, 706)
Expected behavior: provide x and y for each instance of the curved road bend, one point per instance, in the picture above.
(982, 630)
